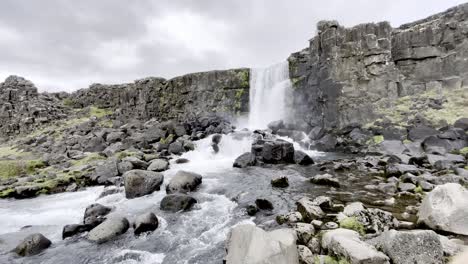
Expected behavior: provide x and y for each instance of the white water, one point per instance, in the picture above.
(268, 87)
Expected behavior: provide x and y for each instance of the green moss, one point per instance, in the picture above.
(67, 102)
(244, 76)
(125, 153)
(330, 260)
(15, 168)
(463, 151)
(419, 190)
(375, 140)
(407, 141)
(167, 140)
(353, 224)
(7, 193)
(99, 112)
(88, 159)
(11, 152)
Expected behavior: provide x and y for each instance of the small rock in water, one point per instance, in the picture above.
(32, 245)
(264, 204)
(325, 179)
(72, 188)
(141, 182)
(158, 165)
(301, 158)
(71, 230)
(183, 182)
(177, 202)
(252, 210)
(281, 182)
(95, 214)
(109, 229)
(245, 160)
(216, 139)
(181, 161)
(145, 223)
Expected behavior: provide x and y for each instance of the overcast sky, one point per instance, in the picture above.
(66, 45)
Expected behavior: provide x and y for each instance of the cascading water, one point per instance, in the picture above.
(268, 87)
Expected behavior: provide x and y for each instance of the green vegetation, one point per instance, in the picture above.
(167, 140)
(15, 168)
(419, 190)
(126, 153)
(353, 224)
(244, 75)
(11, 152)
(463, 151)
(331, 260)
(375, 140)
(88, 159)
(67, 102)
(6, 193)
(99, 112)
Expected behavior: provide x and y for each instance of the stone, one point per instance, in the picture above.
(183, 182)
(252, 210)
(158, 165)
(72, 230)
(124, 166)
(137, 163)
(330, 225)
(462, 123)
(176, 148)
(325, 179)
(181, 161)
(411, 247)
(32, 245)
(373, 220)
(396, 170)
(114, 137)
(304, 232)
(106, 170)
(109, 229)
(280, 182)
(278, 151)
(421, 132)
(95, 214)
(177, 202)
(139, 183)
(276, 125)
(248, 244)
(301, 158)
(264, 204)
(147, 222)
(216, 139)
(245, 160)
(444, 208)
(346, 243)
(406, 187)
(289, 218)
(314, 245)
(309, 210)
(436, 145)
(305, 255)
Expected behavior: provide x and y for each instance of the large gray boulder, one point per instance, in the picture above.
(109, 229)
(158, 165)
(184, 182)
(105, 171)
(95, 214)
(177, 202)
(32, 245)
(145, 223)
(411, 247)
(245, 160)
(278, 151)
(309, 209)
(346, 243)
(248, 244)
(140, 182)
(445, 208)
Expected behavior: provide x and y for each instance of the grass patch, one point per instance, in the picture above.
(11, 152)
(463, 151)
(7, 193)
(67, 102)
(99, 112)
(353, 224)
(88, 159)
(375, 140)
(419, 190)
(330, 260)
(15, 168)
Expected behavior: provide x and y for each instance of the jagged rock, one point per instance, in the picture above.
(421, 132)
(411, 247)
(109, 229)
(314, 245)
(145, 223)
(305, 255)
(374, 220)
(274, 152)
(264, 204)
(400, 169)
(280, 182)
(137, 163)
(244, 160)
(252, 210)
(158, 165)
(115, 136)
(346, 243)
(304, 232)
(177, 202)
(176, 148)
(95, 214)
(72, 230)
(139, 183)
(462, 123)
(444, 208)
(289, 218)
(309, 210)
(406, 187)
(183, 182)
(105, 171)
(301, 158)
(32, 245)
(248, 244)
(325, 179)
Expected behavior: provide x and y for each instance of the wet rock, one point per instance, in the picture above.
(158, 165)
(411, 247)
(106, 170)
(137, 163)
(444, 208)
(289, 218)
(176, 148)
(280, 182)
(248, 244)
(216, 139)
(72, 230)
(109, 229)
(264, 204)
(139, 183)
(305, 255)
(275, 152)
(183, 182)
(147, 222)
(32, 245)
(95, 214)
(325, 179)
(181, 161)
(245, 160)
(301, 158)
(406, 187)
(215, 147)
(309, 210)
(110, 191)
(252, 209)
(316, 133)
(374, 220)
(421, 132)
(304, 232)
(275, 126)
(177, 202)
(346, 243)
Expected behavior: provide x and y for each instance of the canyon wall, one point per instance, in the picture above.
(356, 75)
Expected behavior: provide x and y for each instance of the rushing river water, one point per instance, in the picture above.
(197, 236)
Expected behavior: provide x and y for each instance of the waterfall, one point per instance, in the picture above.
(268, 88)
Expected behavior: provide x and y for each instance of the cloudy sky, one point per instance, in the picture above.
(67, 44)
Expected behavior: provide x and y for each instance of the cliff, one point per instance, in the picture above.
(362, 74)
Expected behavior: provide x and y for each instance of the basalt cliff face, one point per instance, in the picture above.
(359, 74)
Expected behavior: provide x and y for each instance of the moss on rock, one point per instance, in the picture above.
(353, 224)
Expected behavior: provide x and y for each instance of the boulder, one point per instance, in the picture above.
(411, 247)
(462, 123)
(32, 245)
(137, 163)
(248, 244)
(109, 229)
(399, 169)
(244, 160)
(114, 137)
(373, 220)
(177, 202)
(95, 214)
(445, 208)
(216, 139)
(301, 158)
(252, 209)
(421, 132)
(71, 230)
(105, 171)
(176, 148)
(309, 210)
(346, 243)
(280, 182)
(304, 232)
(289, 218)
(183, 182)
(158, 165)
(436, 145)
(305, 255)
(278, 151)
(139, 182)
(145, 223)
(264, 204)
(325, 179)
(276, 125)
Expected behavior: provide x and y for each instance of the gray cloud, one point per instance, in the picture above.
(66, 45)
